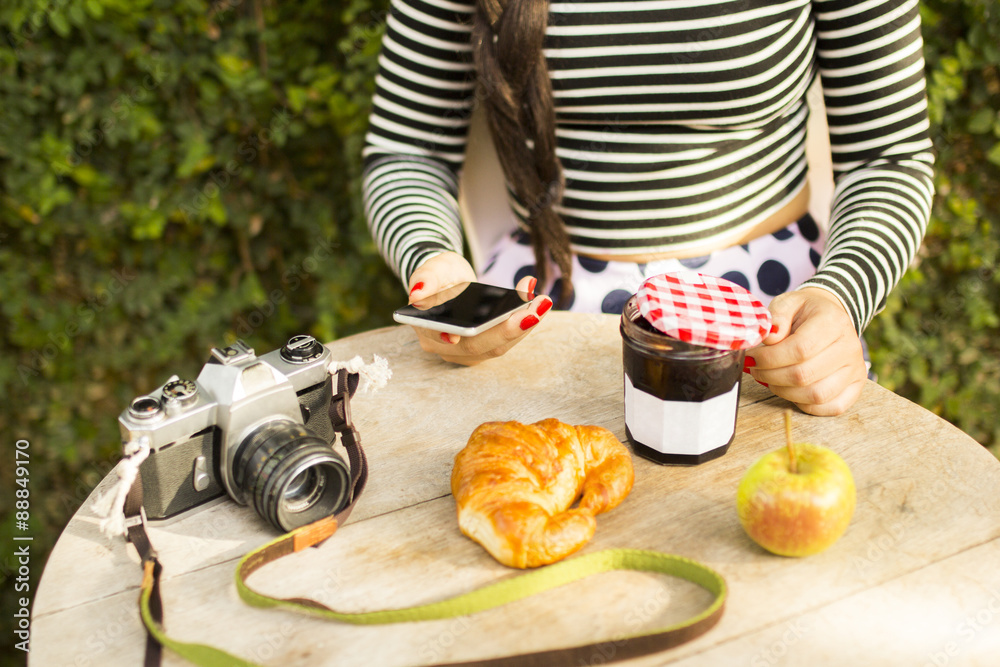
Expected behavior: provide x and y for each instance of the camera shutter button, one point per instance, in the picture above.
(144, 407)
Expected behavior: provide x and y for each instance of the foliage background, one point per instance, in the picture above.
(176, 173)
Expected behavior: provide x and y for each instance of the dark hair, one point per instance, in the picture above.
(507, 38)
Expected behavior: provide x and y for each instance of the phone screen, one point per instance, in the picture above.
(466, 309)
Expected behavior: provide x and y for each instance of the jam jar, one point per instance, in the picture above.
(681, 399)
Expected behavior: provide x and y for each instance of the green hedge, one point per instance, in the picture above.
(177, 174)
(172, 175)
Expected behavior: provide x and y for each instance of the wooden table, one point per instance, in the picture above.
(914, 581)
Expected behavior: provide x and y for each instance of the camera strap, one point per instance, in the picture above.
(482, 599)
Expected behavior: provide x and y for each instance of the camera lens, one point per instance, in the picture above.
(303, 490)
(290, 475)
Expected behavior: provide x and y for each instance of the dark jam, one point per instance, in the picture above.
(672, 370)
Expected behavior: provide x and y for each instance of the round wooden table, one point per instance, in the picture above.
(915, 580)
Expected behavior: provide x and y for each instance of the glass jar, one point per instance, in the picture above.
(681, 400)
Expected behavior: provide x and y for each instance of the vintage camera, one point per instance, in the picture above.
(256, 428)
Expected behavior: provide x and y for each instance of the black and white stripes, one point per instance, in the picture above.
(870, 58)
(679, 121)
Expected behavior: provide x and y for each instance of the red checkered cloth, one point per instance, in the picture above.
(703, 310)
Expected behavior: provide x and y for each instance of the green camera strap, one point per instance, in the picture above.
(482, 599)
(511, 590)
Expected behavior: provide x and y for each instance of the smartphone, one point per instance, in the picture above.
(466, 309)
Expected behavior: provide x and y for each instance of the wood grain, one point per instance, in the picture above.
(928, 516)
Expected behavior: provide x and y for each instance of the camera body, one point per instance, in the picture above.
(255, 428)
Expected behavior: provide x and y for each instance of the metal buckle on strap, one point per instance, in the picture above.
(340, 407)
(136, 519)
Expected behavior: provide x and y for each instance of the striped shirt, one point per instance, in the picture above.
(678, 122)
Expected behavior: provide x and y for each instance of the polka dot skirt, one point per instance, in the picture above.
(767, 266)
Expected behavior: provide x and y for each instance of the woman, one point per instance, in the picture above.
(638, 137)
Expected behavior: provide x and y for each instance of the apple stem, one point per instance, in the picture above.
(792, 462)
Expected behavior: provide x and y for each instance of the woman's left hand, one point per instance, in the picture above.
(813, 356)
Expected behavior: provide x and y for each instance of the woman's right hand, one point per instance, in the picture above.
(441, 272)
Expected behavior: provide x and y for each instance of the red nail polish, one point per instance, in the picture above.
(543, 307)
(528, 322)
(445, 338)
(774, 329)
(531, 287)
(748, 363)
(763, 383)
(417, 287)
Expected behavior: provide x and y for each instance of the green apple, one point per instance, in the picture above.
(797, 500)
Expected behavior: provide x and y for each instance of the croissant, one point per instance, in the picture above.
(514, 485)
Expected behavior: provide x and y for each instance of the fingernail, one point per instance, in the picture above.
(774, 329)
(748, 363)
(543, 307)
(531, 287)
(416, 287)
(763, 383)
(528, 322)
(445, 338)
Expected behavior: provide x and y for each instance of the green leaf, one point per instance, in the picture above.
(297, 98)
(76, 15)
(59, 23)
(197, 157)
(85, 175)
(981, 121)
(216, 211)
(94, 8)
(232, 64)
(994, 154)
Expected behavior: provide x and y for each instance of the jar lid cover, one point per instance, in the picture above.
(703, 310)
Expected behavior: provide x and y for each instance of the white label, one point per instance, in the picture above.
(680, 427)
